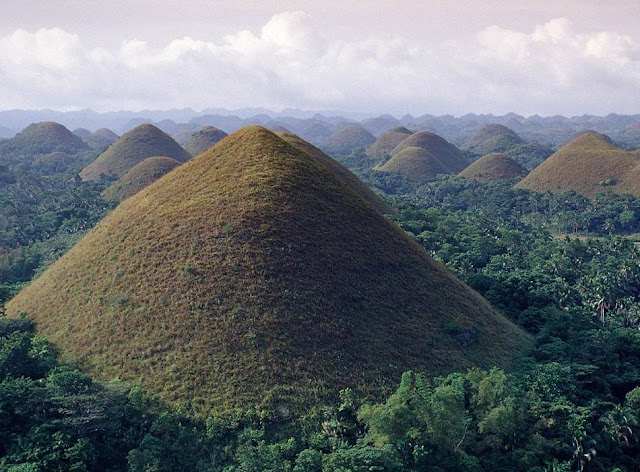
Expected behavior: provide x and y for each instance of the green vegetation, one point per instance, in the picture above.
(588, 165)
(132, 148)
(37, 140)
(140, 176)
(385, 144)
(253, 276)
(203, 139)
(493, 167)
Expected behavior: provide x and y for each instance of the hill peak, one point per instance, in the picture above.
(493, 166)
(203, 139)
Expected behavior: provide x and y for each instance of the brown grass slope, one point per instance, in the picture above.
(348, 139)
(387, 142)
(133, 147)
(444, 151)
(203, 139)
(587, 165)
(493, 167)
(139, 177)
(416, 165)
(340, 171)
(252, 276)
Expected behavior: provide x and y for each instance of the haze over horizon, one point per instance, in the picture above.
(483, 57)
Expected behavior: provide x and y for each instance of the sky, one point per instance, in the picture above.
(440, 57)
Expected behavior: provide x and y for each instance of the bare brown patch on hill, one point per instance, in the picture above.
(252, 276)
(133, 147)
(440, 148)
(416, 165)
(587, 165)
(493, 167)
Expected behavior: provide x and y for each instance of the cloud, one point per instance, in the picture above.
(288, 63)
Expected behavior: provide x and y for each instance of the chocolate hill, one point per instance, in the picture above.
(203, 139)
(348, 139)
(101, 138)
(493, 166)
(589, 164)
(445, 152)
(252, 276)
(416, 165)
(44, 138)
(140, 176)
(133, 147)
(493, 138)
(387, 142)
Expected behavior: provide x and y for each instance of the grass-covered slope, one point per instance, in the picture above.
(133, 147)
(140, 176)
(587, 165)
(203, 139)
(493, 166)
(102, 137)
(253, 276)
(416, 165)
(340, 171)
(444, 151)
(348, 139)
(386, 142)
(492, 138)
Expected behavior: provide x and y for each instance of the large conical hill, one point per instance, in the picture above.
(493, 166)
(139, 177)
(387, 142)
(133, 147)
(589, 164)
(203, 139)
(102, 137)
(416, 165)
(493, 138)
(44, 138)
(440, 148)
(252, 276)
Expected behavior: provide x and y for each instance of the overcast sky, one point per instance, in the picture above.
(562, 57)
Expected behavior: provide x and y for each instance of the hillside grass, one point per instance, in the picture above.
(445, 152)
(493, 166)
(416, 165)
(139, 177)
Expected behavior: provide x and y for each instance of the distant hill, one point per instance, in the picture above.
(82, 133)
(445, 152)
(253, 277)
(387, 142)
(493, 166)
(416, 165)
(203, 139)
(493, 138)
(101, 138)
(348, 139)
(133, 147)
(43, 138)
(140, 176)
(589, 164)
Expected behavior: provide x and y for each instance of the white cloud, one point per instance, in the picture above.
(551, 69)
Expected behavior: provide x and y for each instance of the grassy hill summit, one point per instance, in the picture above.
(140, 176)
(102, 137)
(133, 147)
(349, 138)
(340, 171)
(494, 166)
(440, 148)
(492, 138)
(252, 276)
(589, 164)
(416, 165)
(387, 141)
(44, 138)
(203, 139)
